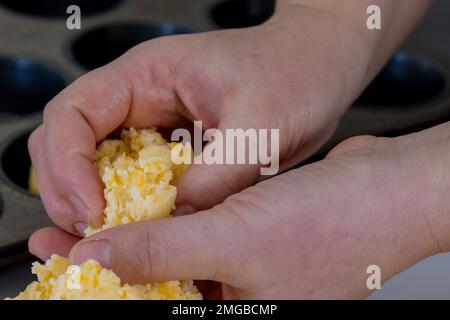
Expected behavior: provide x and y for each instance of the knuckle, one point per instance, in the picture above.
(150, 254)
(49, 110)
(235, 209)
(34, 139)
(61, 179)
(353, 144)
(59, 215)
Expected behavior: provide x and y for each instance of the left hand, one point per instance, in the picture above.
(308, 233)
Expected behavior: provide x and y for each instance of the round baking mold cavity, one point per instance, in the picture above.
(408, 79)
(241, 13)
(26, 85)
(16, 162)
(104, 44)
(1, 206)
(58, 8)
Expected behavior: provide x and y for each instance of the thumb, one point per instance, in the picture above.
(198, 246)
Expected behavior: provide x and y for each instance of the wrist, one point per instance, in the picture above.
(424, 176)
(338, 54)
(432, 148)
(404, 203)
(364, 51)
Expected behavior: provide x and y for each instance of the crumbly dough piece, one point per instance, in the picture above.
(96, 283)
(138, 175)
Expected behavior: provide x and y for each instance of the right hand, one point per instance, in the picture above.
(261, 77)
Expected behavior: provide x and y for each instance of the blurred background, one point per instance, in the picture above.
(39, 56)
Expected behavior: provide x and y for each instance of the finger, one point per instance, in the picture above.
(204, 185)
(45, 242)
(59, 210)
(352, 144)
(200, 246)
(88, 110)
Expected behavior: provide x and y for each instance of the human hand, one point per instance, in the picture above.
(260, 77)
(309, 233)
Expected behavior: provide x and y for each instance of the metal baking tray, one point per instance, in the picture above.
(39, 56)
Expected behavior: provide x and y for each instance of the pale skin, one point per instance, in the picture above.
(307, 233)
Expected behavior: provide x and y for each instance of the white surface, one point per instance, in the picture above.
(429, 279)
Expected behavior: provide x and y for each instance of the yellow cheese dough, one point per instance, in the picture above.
(32, 182)
(55, 282)
(138, 175)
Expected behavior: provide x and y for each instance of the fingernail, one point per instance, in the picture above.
(99, 250)
(183, 209)
(81, 228)
(81, 207)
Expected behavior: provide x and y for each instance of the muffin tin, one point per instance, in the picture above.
(39, 56)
